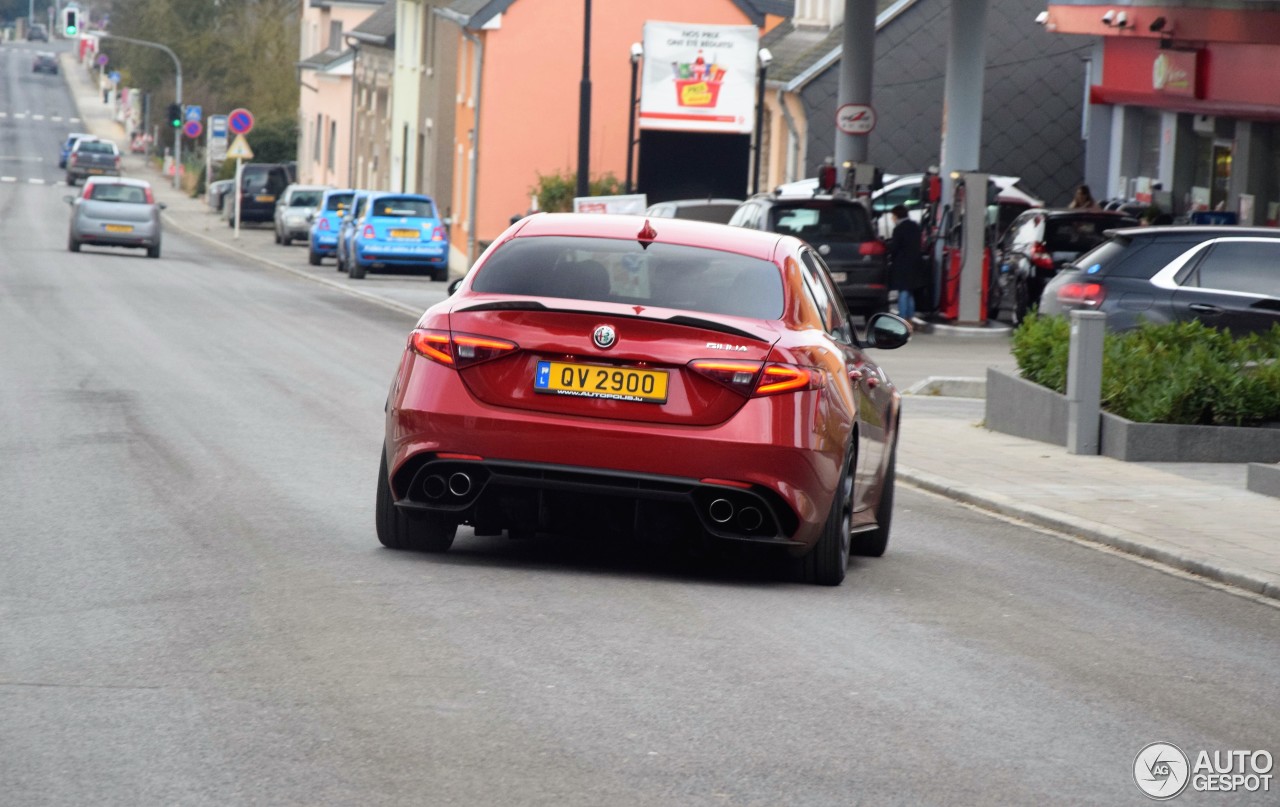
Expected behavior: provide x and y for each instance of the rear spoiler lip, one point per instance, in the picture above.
(684, 320)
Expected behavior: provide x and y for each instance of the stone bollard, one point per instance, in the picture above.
(1084, 381)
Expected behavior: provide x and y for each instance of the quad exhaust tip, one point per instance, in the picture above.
(434, 486)
(721, 510)
(750, 518)
(459, 484)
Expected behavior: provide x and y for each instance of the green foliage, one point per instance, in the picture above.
(1185, 372)
(555, 191)
(1040, 347)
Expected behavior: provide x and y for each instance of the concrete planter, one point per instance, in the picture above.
(1264, 479)
(1163, 442)
(1025, 409)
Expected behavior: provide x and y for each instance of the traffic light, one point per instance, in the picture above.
(71, 22)
(175, 115)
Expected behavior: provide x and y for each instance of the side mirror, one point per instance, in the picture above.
(455, 285)
(887, 331)
(163, 206)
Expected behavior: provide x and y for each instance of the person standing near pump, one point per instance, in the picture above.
(1083, 200)
(907, 270)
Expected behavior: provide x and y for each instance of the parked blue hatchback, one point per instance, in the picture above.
(399, 229)
(324, 224)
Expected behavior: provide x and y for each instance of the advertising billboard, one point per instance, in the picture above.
(699, 78)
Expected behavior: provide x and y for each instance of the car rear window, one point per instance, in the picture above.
(96, 147)
(624, 271)
(339, 201)
(1077, 234)
(717, 214)
(131, 194)
(305, 198)
(823, 221)
(403, 207)
(1140, 257)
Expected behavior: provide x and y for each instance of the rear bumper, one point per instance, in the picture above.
(382, 255)
(523, 465)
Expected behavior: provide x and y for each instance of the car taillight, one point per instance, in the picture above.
(438, 234)
(755, 378)
(117, 162)
(1040, 256)
(73, 159)
(457, 349)
(367, 232)
(323, 225)
(871, 248)
(88, 191)
(1089, 295)
(151, 197)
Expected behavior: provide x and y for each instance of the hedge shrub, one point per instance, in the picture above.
(1185, 372)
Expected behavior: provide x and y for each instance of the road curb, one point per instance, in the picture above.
(1121, 540)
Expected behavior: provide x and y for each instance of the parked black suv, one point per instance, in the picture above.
(1227, 277)
(260, 185)
(840, 229)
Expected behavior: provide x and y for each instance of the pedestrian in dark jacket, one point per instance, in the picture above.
(908, 272)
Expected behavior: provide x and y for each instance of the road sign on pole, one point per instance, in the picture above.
(239, 149)
(240, 121)
(193, 112)
(192, 129)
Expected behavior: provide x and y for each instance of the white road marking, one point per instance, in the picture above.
(20, 116)
(56, 119)
(73, 120)
(37, 117)
(4, 114)
(8, 179)
(35, 181)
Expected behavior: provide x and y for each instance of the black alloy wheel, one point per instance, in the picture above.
(419, 532)
(828, 561)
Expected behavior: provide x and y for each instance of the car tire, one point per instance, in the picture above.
(873, 543)
(71, 181)
(424, 532)
(439, 275)
(231, 222)
(357, 270)
(313, 257)
(276, 233)
(73, 245)
(828, 561)
(286, 241)
(153, 252)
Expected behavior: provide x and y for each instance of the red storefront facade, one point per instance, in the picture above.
(1184, 104)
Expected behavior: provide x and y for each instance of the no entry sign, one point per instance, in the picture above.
(240, 121)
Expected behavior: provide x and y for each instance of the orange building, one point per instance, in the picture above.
(519, 71)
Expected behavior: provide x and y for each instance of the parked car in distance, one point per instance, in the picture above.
(619, 375)
(45, 62)
(37, 33)
(347, 228)
(92, 157)
(260, 186)
(399, 230)
(115, 212)
(217, 193)
(68, 144)
(325, 223)
(906, 189)
(294, 211)
(840, 229)
(1036, 245)
(1225, 276)
(718, 211)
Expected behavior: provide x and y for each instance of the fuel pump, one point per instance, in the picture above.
(965, 257)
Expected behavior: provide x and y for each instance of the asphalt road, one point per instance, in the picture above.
(194, 608)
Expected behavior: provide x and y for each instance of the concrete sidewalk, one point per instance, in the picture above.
(1205, 524)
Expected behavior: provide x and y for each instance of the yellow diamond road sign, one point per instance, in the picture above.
(239, 149)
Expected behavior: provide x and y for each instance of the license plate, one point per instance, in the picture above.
(839, 277)
(593, 381)
(404, 234)
(119, 228)
(95, 170)
(265, 198)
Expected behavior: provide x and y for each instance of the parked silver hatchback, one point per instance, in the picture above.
(115, 212)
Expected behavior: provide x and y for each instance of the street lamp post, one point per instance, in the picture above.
(765, 58)
(177, 132)
(584, 104)
(637, 51)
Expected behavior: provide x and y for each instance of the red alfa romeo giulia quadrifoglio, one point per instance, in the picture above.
(648, 376)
